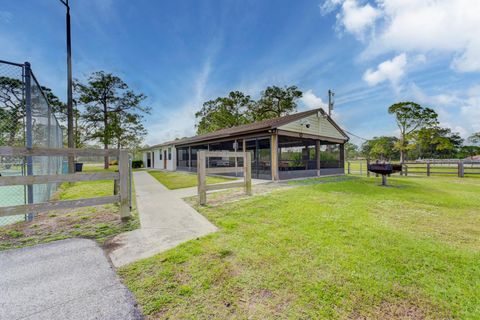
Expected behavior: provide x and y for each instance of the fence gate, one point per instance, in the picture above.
(203, 170)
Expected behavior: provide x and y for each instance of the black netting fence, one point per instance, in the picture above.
(26, 119)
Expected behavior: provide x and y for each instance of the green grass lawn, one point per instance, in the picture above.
(336, 250)
(177, 180)
(98, 222)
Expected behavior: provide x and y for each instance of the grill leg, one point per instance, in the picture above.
(384, 179)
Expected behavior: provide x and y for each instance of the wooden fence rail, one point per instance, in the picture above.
(121, 178)
(428, 168)
(202, 172)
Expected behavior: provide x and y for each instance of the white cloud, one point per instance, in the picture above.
(311, 101)
(459, 111)
(180, 122)
(357, 19)
(470, 110)
(442, 99)
(417, 26)
(391, 70)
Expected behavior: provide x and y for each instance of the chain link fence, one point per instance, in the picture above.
(26, 119)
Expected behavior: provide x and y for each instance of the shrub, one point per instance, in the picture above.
(114, 163)
(137, 164)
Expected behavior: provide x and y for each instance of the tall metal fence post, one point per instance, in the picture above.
(28, 131)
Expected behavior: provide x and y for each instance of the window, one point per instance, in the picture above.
(169, 153)
(160, 154)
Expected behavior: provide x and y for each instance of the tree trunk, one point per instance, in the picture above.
(402, 148)
(106, 164)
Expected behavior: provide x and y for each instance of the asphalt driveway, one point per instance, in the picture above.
(68, 279)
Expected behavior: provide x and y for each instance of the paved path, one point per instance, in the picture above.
(68, 279)
(165, 219)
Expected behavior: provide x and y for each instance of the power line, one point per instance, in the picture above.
(353, 134)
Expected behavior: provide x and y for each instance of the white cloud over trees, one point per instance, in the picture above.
(392, 70)
(414, 26)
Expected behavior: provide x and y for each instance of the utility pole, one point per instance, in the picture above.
(331, 101)
(71, 142)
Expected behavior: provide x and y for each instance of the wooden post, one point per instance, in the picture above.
(384, 179)
(406, 170)
(348, 167)
(189, 159)
(428, 169)
(247, 165)
(317, 152)
(202, 178)
(274, 156)
(123, 170)
(342, 156)
(116, 185)
(461, 169)
(361, 168)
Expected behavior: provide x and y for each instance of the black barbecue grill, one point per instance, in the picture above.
(384, 169)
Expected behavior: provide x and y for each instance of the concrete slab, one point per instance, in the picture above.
(68, 279)
(165, 219)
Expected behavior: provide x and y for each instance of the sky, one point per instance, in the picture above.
(181, 53)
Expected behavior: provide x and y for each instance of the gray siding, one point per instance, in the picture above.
(318, 126)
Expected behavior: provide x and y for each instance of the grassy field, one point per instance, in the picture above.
(99, 222)
(334, 250)
(177, 180)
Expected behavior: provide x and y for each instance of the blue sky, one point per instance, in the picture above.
(182, 53)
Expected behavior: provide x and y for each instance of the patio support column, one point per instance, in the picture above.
(342, 155)
(317, 154)
(190, 159)
(274, 156)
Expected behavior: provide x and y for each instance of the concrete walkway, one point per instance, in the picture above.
(68, 279)
(165, 219)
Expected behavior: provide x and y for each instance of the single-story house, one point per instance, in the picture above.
(305, 144)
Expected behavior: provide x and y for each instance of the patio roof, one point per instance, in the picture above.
(259, 126)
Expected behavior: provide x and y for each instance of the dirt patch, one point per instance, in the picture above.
(215, 199)
(110, 245)
(400, 310)
(99, 223)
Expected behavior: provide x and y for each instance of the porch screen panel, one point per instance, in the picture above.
(194, 151)
(296, 154)
(330, 155)
(182, 157)
(214, 162)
